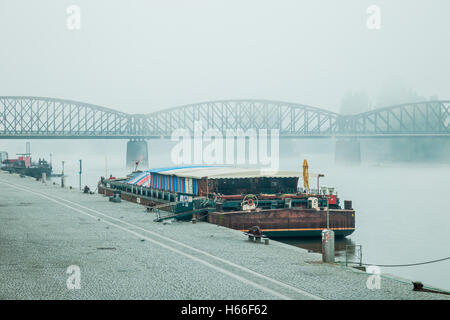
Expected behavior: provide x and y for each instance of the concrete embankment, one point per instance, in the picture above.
(122, 254)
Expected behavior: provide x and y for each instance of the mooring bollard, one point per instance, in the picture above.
(258, 239)
(266, 241)
(327, 245)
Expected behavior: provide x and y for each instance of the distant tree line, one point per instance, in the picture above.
(354, 102)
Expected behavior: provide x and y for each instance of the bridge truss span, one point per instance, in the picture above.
(41, 118)
(290, 119)
(49, 118)
(422, 119)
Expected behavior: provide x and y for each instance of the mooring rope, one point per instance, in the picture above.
(398, 265)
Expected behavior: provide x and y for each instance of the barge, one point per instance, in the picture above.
(24, 166)
(237, 198)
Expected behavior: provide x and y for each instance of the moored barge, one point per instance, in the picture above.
(237, 198)
(24, 166)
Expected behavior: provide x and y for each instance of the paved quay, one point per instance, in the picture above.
(123, 254)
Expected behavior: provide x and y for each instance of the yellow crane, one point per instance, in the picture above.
(305, 176)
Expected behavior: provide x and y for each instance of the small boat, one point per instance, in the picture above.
(238, 198)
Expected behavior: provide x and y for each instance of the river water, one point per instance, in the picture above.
(402, 211)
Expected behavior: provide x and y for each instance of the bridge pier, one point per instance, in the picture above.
(137, 150)
(347, 152)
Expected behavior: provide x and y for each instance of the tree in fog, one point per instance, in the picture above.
(396, 93)
(354, 103)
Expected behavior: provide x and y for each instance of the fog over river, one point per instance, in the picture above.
(402, 213)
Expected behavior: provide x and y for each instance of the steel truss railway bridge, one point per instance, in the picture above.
(49, 118)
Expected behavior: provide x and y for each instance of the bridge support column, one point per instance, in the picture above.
(137, 150)
(347, 152)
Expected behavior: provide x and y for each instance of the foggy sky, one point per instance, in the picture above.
(140, 56)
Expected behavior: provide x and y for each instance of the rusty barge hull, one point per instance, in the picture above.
(288, 222)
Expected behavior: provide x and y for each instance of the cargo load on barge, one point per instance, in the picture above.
(237, 198)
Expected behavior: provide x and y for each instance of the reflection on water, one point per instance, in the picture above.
(342, 245)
